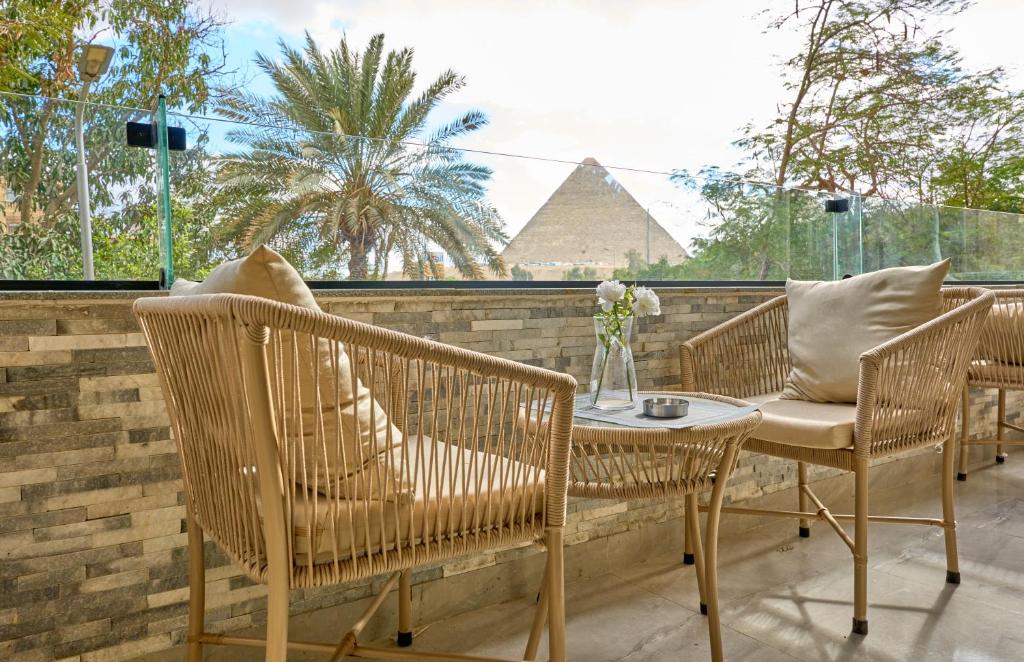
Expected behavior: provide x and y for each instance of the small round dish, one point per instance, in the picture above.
(666, 407)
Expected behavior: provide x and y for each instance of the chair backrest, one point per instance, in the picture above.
(463, 473)
(1001, 348)
(910, 387)
(746, 356)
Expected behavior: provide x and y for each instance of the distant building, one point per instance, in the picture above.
(10, 214)
(590, 222)
(435, 265)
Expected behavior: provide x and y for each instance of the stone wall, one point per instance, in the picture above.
(92, 541)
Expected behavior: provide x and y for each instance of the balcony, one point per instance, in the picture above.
(94, 542)
(92, 505)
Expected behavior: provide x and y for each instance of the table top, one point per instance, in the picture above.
(702, 411)
(628, 455)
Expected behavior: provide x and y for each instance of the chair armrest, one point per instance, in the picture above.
(910, 386)
(744, 356)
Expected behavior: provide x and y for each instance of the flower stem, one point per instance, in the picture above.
(600, 380)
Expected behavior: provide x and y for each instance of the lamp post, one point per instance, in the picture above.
(94, 63)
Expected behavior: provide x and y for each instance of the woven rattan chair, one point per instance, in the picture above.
(908, 395)
(467, 478)
(998, 364)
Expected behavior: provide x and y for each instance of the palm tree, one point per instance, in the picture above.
(339, 154)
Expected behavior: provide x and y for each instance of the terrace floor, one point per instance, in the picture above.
(787, 598)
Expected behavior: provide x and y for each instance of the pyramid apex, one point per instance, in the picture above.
(590, 161)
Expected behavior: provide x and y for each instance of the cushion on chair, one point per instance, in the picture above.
(1002, 339)
(514, 494)
(266, 274)
(801, 423)
(831, 323)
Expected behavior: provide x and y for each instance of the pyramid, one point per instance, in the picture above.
(590, 221)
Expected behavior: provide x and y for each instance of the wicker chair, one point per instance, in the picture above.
(999, 364)
(464, 476)
(907, 399)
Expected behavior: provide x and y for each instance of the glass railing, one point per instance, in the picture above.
(350, 208)
(59, 225)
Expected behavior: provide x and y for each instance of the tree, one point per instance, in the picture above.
(519, 273)
(27, 30)
(983, 167)
(125, 240)
(577, 273)
(331, 156)
(125, 249)
(164, 47)
(879, 107)
(869, 87)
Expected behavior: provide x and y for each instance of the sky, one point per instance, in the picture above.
(655, 85)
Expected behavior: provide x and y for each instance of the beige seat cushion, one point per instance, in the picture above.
(266, 274)
(458, 491)
(1002, 339)
(831, 323)
(808, 424)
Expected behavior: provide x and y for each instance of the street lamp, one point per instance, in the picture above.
(94, 63)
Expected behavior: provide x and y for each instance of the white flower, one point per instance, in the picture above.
(647, 302)
(610, 291)
(606, 306)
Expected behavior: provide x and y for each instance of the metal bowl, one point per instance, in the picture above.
(666, 407)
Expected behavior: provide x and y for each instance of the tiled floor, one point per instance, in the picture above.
(787, 598)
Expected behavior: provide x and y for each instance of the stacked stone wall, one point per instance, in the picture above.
(92, 538)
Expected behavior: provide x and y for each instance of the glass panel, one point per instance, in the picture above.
(341, 207)
(41, 218)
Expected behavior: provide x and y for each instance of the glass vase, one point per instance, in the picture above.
(613, 375)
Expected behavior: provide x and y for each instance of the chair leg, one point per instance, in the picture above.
(948, 514)
(965, 433)
(687, 542)
(277, 623)
(711, 555)
(860, 547)
(405, 609)
(805, 525)
(693, 531)
(1000, 419)
(196, 589)
(540, 615)
(555, 590)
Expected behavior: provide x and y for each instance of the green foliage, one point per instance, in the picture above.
(874, 98)
(304, 183)
(125, 244)
(38, 252)
(880, 105)
(638, 269)
(28, 28)
(578, 273)
(162, 46)
(519, 273)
